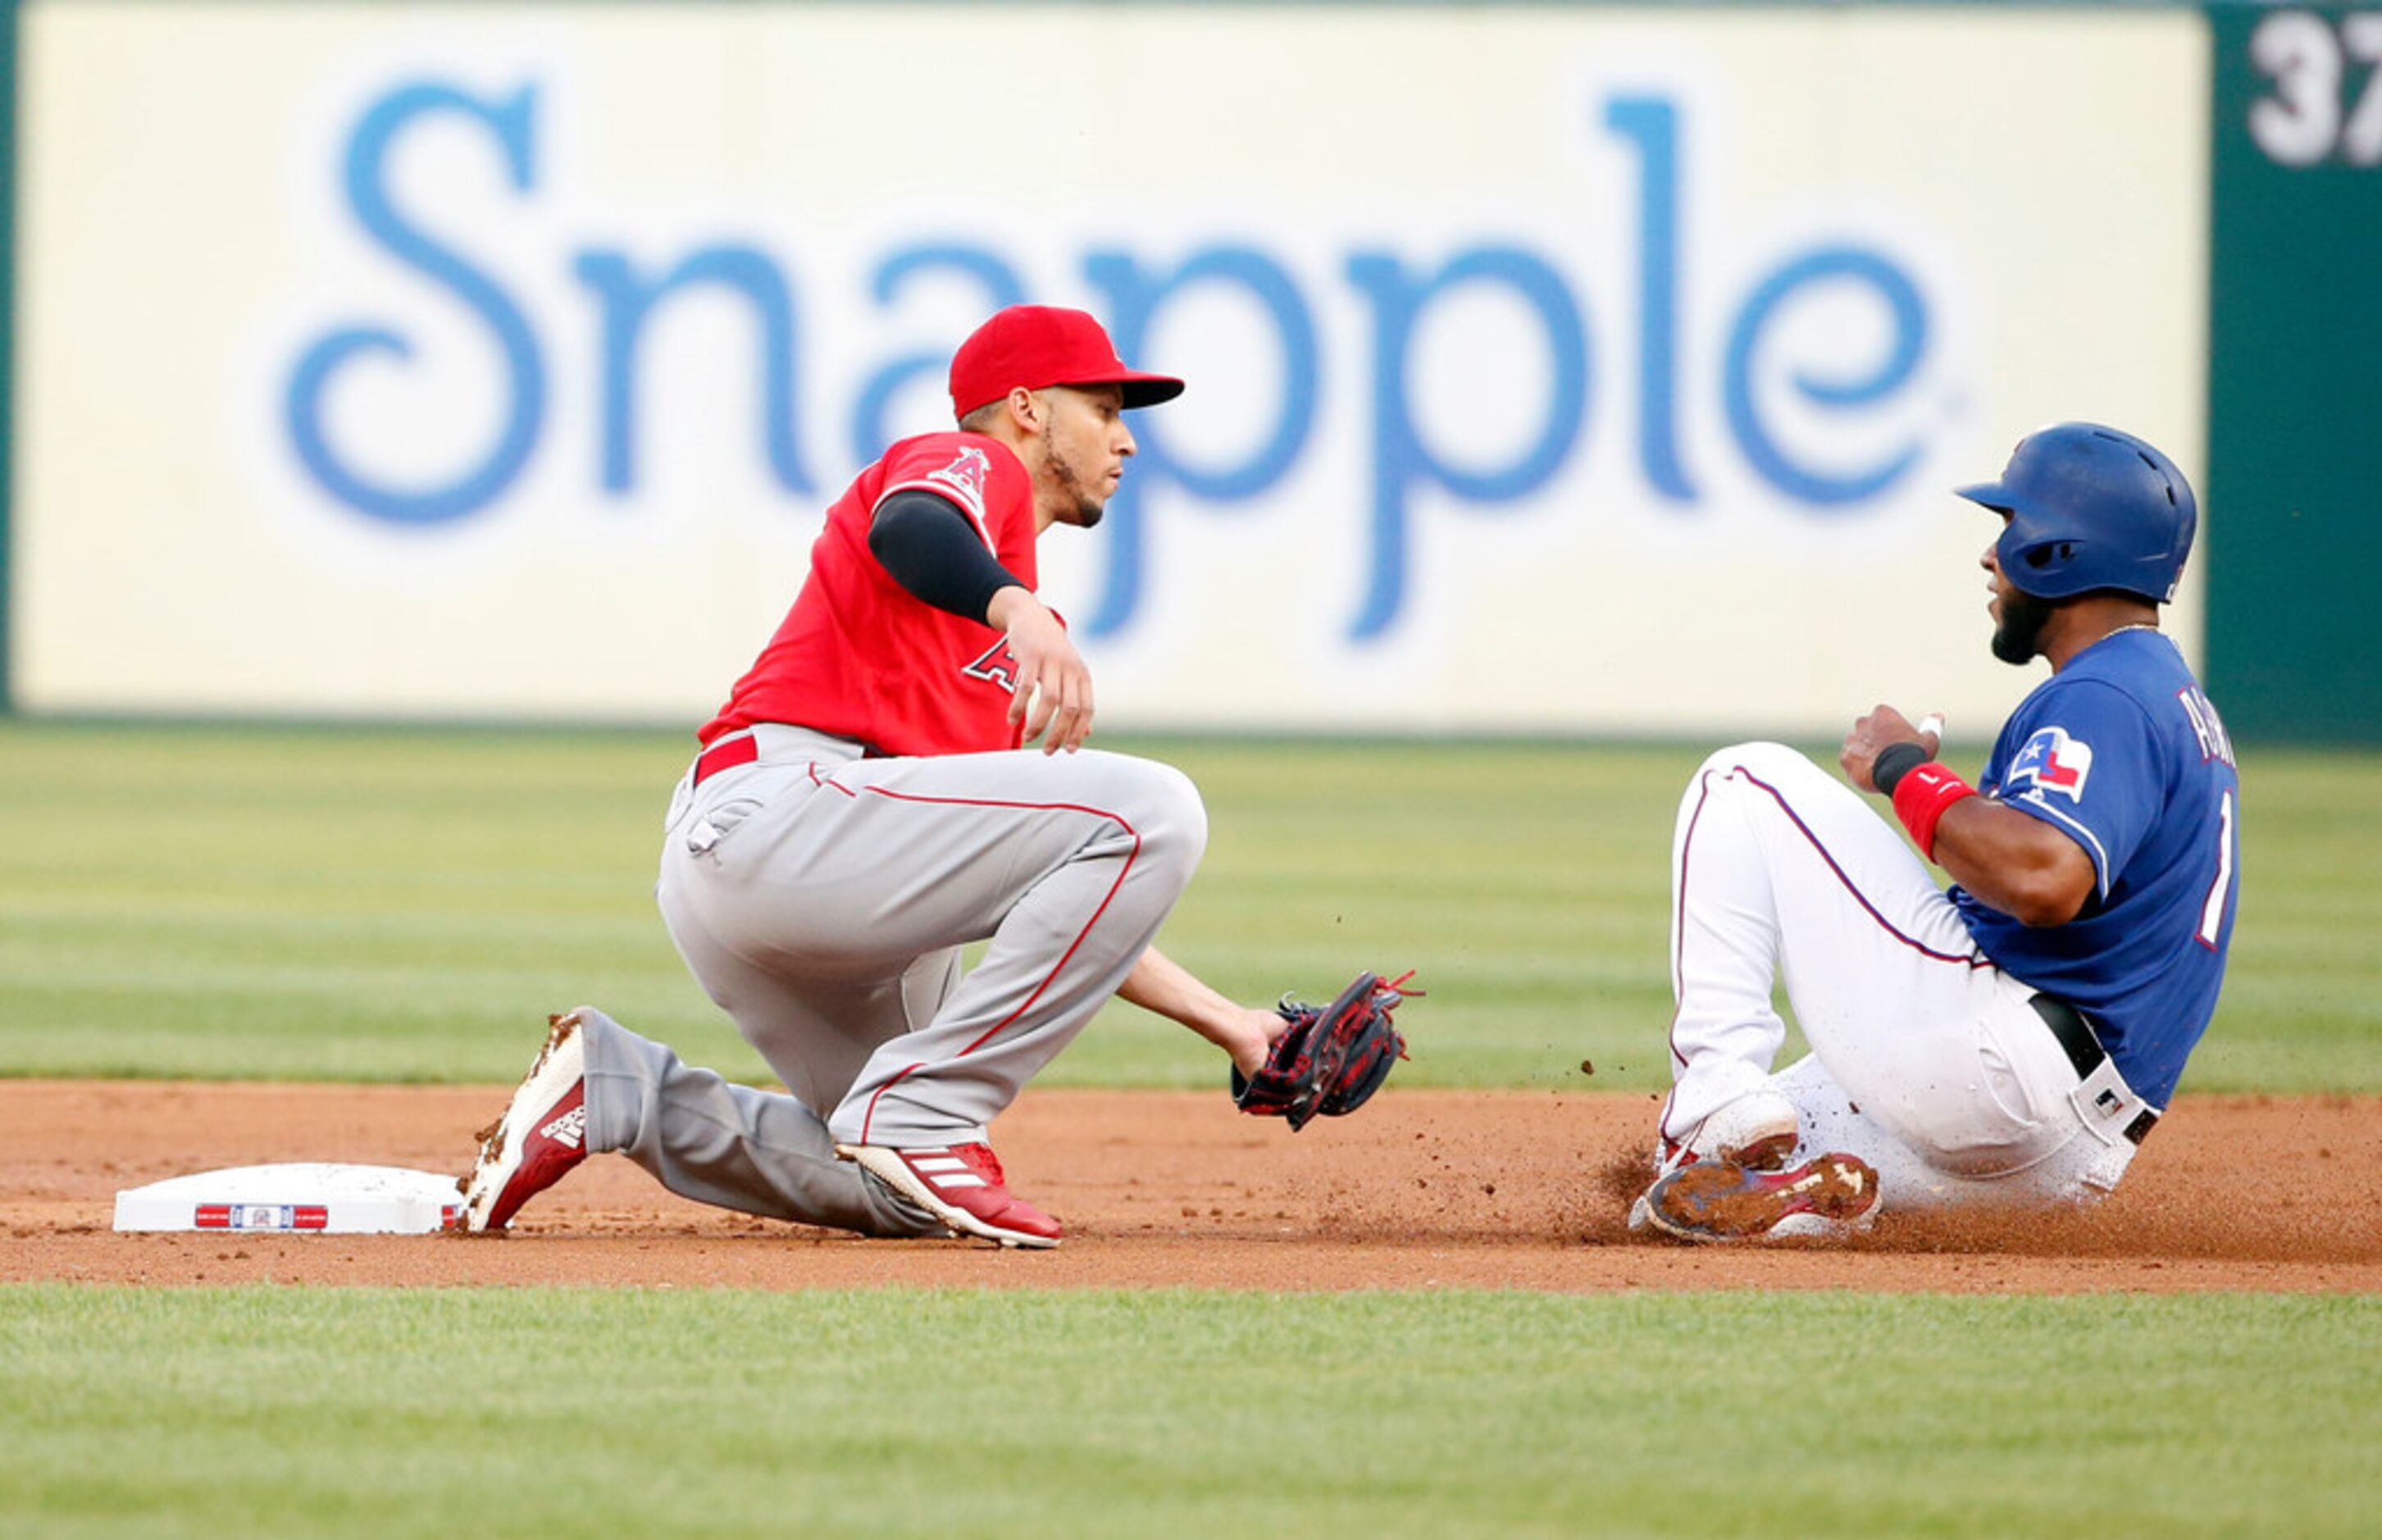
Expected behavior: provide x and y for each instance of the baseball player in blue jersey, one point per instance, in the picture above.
(2011, 1041)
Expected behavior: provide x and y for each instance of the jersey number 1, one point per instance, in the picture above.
(2212, 911)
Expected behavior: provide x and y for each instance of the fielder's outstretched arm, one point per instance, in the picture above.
(1161, 984)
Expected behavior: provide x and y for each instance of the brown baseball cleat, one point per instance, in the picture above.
(1728, 1201)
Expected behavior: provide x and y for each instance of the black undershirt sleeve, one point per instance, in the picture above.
(935, 553)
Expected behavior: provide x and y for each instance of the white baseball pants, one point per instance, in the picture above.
(1927, 1060)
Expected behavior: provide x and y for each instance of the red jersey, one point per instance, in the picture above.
(861, 657)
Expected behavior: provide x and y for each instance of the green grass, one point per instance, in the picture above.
(350, 903)
(269, 1412)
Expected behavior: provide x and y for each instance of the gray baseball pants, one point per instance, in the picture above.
(822, 898)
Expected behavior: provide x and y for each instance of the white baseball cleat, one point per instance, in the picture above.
(1759, 1129)
(960, 1185)
(540, 1139)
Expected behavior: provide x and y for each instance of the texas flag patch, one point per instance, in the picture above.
(2052, 761)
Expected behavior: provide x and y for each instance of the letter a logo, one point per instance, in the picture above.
(996, 665)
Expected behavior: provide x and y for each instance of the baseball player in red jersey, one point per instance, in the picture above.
(860, 812)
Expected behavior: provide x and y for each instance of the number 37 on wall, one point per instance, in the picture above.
(2311, 116)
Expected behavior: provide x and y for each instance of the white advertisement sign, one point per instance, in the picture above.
(1559, 371)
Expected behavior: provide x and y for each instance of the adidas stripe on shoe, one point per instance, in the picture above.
(540, 1139)
(963, 1185)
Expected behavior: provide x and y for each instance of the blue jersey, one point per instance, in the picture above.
(2122, 752)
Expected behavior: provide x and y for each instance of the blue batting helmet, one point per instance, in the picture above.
(2090, 507)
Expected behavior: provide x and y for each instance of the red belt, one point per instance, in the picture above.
(725, 755)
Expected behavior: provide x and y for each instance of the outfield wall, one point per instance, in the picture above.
(1553, 369)
(2295, 390)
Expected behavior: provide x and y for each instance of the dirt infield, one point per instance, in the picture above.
(1424, 1188)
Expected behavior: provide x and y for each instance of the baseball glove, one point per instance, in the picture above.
(1331, 1059)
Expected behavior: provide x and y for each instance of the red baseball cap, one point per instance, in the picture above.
(1038, 346)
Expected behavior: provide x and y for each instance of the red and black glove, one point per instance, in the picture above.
(1331, 1059)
